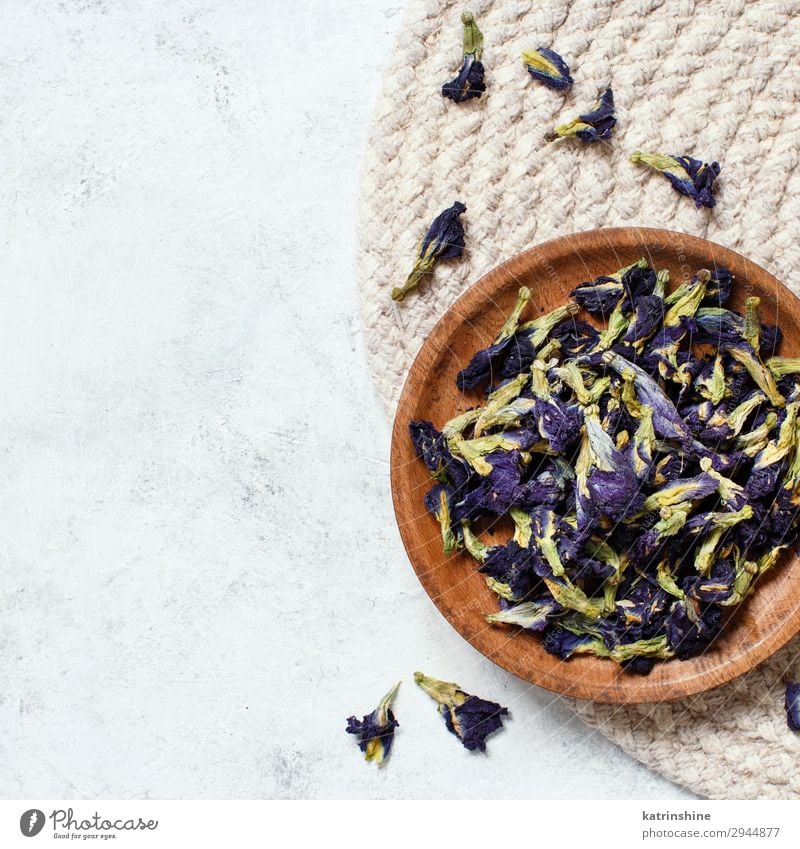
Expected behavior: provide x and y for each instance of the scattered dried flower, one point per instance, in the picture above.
(593, 126)
(547, 67)
(375, 731)
(469, 82)
(444, 240)
(470, 718)
(689, 176)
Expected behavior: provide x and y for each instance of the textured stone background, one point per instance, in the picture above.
(201, 577)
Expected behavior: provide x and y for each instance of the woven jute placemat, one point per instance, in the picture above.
(714, 78)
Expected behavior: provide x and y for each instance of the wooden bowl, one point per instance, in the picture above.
(766, 620)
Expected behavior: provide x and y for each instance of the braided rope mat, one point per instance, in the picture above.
(715, 78)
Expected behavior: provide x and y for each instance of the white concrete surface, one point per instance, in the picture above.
(201, 577)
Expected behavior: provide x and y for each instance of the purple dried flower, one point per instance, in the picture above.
(547, 67)
(599, 296)
(375, 731)
(689, 176)
(495, 492)
(563, 643)
(690, 631)
(470, 718)
(593, 126)
(719, 288)
(469, 83)
(518, 567)
(444, 240)
(792, 705)
(437, 503)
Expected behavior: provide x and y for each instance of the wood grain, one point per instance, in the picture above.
(764, 623)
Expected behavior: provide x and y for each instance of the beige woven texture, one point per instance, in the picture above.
(712, 78)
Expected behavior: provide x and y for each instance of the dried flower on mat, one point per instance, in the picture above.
(444, 240)
(596, 125)
(688, 176)
(650, 469)
(469, 82)
(376, 730)
(792, 705)
(470, 718)
(548, 67)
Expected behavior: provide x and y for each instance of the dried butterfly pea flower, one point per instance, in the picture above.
(688, 176)
(612, 481)
(509, 416)
(638, 280)
(731, 494)
(782, 366)
(716, 588)
(599, 296)
(718, 326)
(690, 629)
(544, 526)
(710, 382)
(771, 338)
(533, 615)
(478, 452)
(444, 240)
(786, 507)
(752, 323)
(758, 372)
(480, 366)
(593, 126)
(558, 423)
(777, 449)
(647, 317)
(648, 547)
(755, 441)
(431, 446)
(719, 288)
(666, 419)
(585, 571)
(494, 493)
(792, 705)
(641, 612)
(588, 388)
(469, 82)
(563, 643)
(515, 566)
(572, 597)
(682, 490)
(532, 335)
(575, 337)
(716, 423)
(602, 294)
(672, 465)
(375, 731)
(437, 502)
(500, 399)
(718, 527)
(547, 67)
(763, 483)
(470, 718)
(681, 306)
(643, 448)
